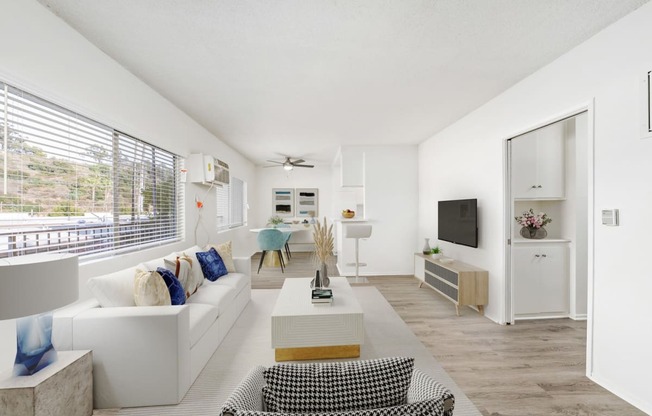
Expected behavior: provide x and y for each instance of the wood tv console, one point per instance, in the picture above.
(461, 283)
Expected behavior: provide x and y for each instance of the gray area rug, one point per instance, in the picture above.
(248, 345)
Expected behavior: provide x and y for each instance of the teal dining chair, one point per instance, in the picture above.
(271, 239)
(288, 234)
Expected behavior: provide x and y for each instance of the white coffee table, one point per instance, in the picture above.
(303, 331)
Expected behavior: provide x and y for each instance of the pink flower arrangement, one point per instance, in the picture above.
(531, 220)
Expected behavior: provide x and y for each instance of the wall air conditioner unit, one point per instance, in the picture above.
(207, 169)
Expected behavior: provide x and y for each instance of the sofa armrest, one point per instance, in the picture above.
(423, 387)
(62, 334)
(141, 355)
(248, 395)
(243, 265)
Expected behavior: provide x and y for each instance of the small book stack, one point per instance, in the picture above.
(322, 296)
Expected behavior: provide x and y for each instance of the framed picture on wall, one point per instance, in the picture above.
(283, 202)
(307, 202)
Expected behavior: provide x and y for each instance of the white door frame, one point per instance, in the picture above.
(508, 301)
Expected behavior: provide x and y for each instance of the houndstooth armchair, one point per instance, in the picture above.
(382, 387)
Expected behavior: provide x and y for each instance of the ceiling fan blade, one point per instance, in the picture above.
(274, 161)
(294, 162)
(304, 166)
(271, 166)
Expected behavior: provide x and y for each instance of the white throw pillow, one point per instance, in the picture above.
(196, 272)
(226, 253)
(114, 289)
(150, 289)
(181, 266)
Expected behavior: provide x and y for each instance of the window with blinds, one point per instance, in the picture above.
(72, 184)
(231, 204)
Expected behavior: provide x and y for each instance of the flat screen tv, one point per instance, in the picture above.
(458, 222)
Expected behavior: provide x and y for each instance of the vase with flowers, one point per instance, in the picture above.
(532, 224)
(323, 236)
(274, 221)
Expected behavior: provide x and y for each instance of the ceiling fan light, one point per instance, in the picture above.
(287, 166)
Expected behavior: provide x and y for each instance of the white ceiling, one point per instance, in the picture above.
(301, 77)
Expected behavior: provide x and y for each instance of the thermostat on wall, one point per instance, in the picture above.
(609, 217)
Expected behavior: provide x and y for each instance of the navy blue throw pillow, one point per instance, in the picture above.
(177, 294)
(212, 265)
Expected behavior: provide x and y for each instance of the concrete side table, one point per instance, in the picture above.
(63, 388)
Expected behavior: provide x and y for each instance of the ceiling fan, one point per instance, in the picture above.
(290, 164)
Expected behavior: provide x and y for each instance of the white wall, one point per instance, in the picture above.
(44, 56)
(466, 160)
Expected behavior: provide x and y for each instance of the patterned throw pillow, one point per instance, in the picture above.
(150, 289)
(226, 253)
(181, 266)
(212, 265)
(177, 293)
(337, 387)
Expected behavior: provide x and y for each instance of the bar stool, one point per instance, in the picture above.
(357, 231)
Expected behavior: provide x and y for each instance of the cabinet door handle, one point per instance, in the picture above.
(536, 255)
(539, 186)
(543, 255)
(534, 187)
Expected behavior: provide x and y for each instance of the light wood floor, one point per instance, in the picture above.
(531, 368)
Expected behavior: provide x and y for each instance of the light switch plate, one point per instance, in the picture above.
(610, 217)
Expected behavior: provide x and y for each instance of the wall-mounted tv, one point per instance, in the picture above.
(458, 222)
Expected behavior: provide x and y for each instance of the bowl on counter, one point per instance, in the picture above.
(348, 214)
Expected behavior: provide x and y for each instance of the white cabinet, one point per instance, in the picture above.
(541, 280)
(352, 167)
(538, 164)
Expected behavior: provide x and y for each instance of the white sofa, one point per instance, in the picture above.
(151, 355)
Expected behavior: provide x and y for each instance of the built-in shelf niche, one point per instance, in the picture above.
(552, 208)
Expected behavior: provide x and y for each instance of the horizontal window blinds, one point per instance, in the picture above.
(237, 202)
(72, 184)
(231, 202)
(223, 219)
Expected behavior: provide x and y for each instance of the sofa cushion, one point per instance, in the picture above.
(177, 293)
(202, 316)
(211, 264)
(114, 289)
(150, 289)
(433, 407)
(237, 281)
(337, 387)
(226, 253)
(153, 264)
(217, 295)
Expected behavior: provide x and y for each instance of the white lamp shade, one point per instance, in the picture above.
(37, 283)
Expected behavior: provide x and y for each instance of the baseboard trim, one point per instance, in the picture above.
(634, 401)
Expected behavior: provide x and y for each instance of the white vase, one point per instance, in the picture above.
(436, 256)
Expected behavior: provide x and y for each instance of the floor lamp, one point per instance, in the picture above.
(30, 288)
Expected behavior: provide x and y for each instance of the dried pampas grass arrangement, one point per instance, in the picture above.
(323, 236)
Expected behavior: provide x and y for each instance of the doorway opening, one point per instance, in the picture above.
(548, 176)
